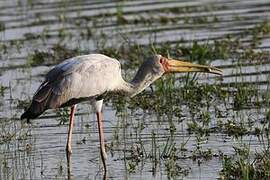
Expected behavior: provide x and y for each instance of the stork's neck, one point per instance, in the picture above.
(132, 88)
(138, 83)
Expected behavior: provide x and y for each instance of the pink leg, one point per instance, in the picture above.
(71, 122)
(101, 141)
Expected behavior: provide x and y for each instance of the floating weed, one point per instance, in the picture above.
(2, 26)
(31, 36)
(183, 144)
(168, 153)
(258, 32)
(86, 33)
(254, 56)
(62, 34)
(57, 54)
(3, 48)
(2, 90)
(45, 35)
(199, 52)
(199, 154)
(200, 126)
(268, 115)
(200, 20)
(5, 169)
(164, 20)
(194, 127)
(7, 137)
(168, 148)
(16, 44)
(24, 135)
(120, 15)
(235, 129)
(60, 169)
(112, 52)
(23, 104)
(37, 58)
(173, 169)
(136, 155)
(131, 168)
(63, 115)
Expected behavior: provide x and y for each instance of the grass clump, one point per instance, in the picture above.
(235, 129)
(2, 90)
(245, 95)
(37, 58)
(120, 15)
(173, 169)
(244, 167)
(2, 26)
(56, 54)
(63, 115)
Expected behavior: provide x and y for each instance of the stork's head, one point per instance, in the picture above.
(163, 65)
(157, 65)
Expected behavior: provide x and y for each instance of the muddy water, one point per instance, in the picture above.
(37, 151)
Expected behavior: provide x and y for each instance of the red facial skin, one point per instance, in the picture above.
(163, 61)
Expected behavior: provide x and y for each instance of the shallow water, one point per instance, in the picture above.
(37, 151)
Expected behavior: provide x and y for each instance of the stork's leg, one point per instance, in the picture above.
(101, 141)
(71, 122)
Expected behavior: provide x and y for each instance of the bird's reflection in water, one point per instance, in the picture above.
(104, 171)
(69, 168)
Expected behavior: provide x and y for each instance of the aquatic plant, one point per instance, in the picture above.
(55, 55)
(2, 26)
(244, 166)
(62, 115)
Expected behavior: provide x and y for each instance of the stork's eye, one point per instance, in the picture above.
(161, 60)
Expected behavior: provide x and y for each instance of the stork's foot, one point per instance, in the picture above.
(103, 158)
(68, 155)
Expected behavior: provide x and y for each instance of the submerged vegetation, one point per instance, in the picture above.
(178, 124)
(245, 165)
(54, 55)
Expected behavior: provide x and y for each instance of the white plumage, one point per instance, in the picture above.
(86, 76)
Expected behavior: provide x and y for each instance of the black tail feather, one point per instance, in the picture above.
(39, 103)
(33, 111)
(45, 99)
(30, 115)
(25, 115)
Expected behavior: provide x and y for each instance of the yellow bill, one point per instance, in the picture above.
(183, 66)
